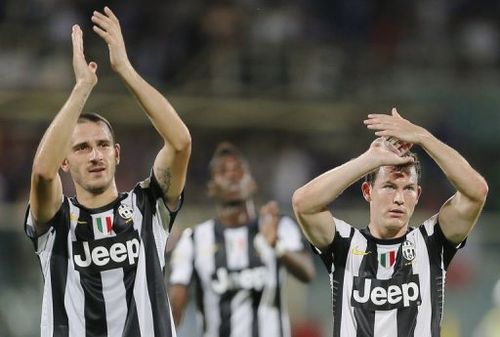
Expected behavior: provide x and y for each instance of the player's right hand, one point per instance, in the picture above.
(85, 73)
(389, 151)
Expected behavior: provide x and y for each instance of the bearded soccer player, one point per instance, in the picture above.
(102, 252)
(388, 278)
(239, 259)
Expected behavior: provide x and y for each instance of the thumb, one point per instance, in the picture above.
(406, 160)
(93, 66)
(395, 113)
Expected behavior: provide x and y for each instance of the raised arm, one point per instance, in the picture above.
(46, 188)
(297, 263)
(310, 202)
(459, 214)
(170, 166)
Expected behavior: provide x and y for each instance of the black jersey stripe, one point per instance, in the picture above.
(338, 256)
(406, 317)
(59, 273)
(154, 274)
(254, 261)
(94, 302)
(368, 269)
(436, 280)
(225, 299)
(199, 295)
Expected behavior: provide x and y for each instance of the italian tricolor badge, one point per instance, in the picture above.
(104, 223)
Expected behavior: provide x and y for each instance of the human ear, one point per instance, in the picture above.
(117, 153)
(366, 190)
(65, 165)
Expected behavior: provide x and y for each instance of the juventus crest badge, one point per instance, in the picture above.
(125, 211)
(408, 250)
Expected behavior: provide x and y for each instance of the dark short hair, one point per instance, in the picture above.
(225, 149)
(96, 118)
(370, 177)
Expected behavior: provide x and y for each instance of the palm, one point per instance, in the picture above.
(84, 73)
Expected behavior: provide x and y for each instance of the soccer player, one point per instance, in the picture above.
(102, 252)
(238, 260)
(388, 279)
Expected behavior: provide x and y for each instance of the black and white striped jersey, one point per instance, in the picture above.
(103, 268)
(239, 284)
(390, 288)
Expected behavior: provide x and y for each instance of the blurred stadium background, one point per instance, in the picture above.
(288, 81)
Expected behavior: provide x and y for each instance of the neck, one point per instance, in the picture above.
(380, 232)
(90, 199)
(234, 214)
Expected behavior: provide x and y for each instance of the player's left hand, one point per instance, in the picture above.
(268, 222)
(394, 126)
(107, 26)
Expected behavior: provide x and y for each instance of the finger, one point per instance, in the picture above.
(110, 14)
(101, 20)
(377, 126)
(75, 39)
(371, 116)
(273, 206)
(406, 160)
(102, 33)
(395, 113)
(93, 66)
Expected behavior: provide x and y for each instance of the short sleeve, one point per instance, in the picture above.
(335, 255)
(150, 191)
(40, 241)
(182, 261)
(438, 243)
(289, 234)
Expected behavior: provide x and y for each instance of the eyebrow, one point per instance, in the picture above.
(99, 141)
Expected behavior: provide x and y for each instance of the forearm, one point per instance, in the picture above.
(161, 113)
(321, 191)
(299, 264)
(459, 172)
(54, 144)
(179, 297)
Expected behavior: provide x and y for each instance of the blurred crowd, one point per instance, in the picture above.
(442, 54)
(314, 48)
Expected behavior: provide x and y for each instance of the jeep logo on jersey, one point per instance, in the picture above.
(408, 250)
(119, 251)
(373, 294)
(247, 279)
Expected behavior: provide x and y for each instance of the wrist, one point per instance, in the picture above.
(125, 70)
(279, 249)
(83, 86)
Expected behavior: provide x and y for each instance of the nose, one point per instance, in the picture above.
(398, 198)
(95, 154)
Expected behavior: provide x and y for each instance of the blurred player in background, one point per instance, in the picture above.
(489, 326)
(238, 260)
(388, 278)
(101, 252)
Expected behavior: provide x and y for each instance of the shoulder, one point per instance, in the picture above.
(343, 229)
(202, 229)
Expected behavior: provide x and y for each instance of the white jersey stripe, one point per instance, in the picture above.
(74, 299)
(47, 321)
(99, 277)
(390, 288)
(114, 294)
(238, 284)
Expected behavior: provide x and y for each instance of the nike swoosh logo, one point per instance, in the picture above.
(81, 222)
(355, 251)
